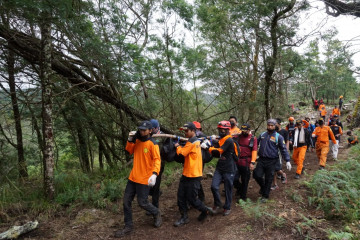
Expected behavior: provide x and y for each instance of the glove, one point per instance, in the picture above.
(131, 137)
(288, 166)
(152, 180)
(213, 137)
(205, 144)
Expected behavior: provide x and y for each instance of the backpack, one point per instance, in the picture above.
(236, 153)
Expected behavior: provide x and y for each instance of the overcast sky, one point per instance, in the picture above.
(347, 26)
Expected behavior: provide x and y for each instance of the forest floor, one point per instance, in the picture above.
(288, 202)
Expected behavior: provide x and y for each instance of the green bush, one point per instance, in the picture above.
(337, 192)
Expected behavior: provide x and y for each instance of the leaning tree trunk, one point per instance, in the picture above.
(45, 71)
(356, 114)
(19, 140)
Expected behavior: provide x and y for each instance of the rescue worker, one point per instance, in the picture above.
(248, 154)
(316, 104)
(302, 138)
(269, 144)
(336, 111)
(322, 133)
(200, 134)
(280, 174)
(290, 127)
(338, 122)
(352, 139)
(146, 167)
(341, 101)
(311, 129)
(155, 190)
(189, 184)
(337, 131)
(225, 168)
(234, 128)
(322, 110)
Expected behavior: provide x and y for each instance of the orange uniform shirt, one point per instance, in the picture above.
(336, 111)
(323, 133)
(146, 160)
(322, 109)
(193, 158)
(235, 130)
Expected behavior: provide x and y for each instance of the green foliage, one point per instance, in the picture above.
(337, 192)
(334, 235)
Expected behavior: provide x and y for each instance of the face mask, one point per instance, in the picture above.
(222, 134)
(321, 123)
(232, 124)
(276, 128)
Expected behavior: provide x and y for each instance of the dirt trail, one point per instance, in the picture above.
(100, 224)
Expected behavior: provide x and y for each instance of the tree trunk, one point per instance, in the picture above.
(83, 149)
(45, 71)
(17, 117)
(101, 163)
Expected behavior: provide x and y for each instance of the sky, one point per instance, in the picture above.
(347, 26)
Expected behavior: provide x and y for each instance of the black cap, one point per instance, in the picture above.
(145, 125)
(188, 125)
(299, 121)
(245, 127)
(335, 115)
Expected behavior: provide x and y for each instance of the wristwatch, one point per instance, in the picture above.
(253, 163)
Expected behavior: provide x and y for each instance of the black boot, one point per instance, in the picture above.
(182, 221)
(157, 219)
(123, 232)
(204, 214)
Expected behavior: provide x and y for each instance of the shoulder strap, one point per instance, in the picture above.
(277, 138)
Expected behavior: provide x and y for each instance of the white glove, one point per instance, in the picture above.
(213, 136)
(131, 136)
(313, 135)
(205, 144)
(152, 180)
(288, 166)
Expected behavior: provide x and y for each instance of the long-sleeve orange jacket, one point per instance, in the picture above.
(323, 133)
(146, 160)
(193, 158)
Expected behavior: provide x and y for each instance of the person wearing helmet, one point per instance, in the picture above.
(225, 169)
(248, 154)
(337, 130)
(191, 176)
(341, 101)
(234, 130)
(146, 167)
(290, 127)
(302, 138)
(269, 144)
(322, 134)
(199, 132)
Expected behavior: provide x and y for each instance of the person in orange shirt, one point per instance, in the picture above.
(322, 133)
(189, 184)
(323, 111)
(336, 111)
(146, 167)
(234, 129)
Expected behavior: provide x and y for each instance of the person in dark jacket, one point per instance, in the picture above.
(269, 142)
(337, 131)
(248, 154)
(341, 101)
(200, 134)
(302, 138)
(225, 167)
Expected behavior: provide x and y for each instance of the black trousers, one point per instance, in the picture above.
(265, 166)
(142, 192)
(241, 181)
(155, 190)
(188, 192)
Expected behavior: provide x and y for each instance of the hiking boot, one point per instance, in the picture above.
(274, 187)
(157, 219)
(123, 232)
(321, 168)
(226, 212)
(263, 200)
(297, 176)
(215, 209)
(284, 178)
(182, 221)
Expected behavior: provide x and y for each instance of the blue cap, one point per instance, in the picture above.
(145, 125)
(154, 123)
